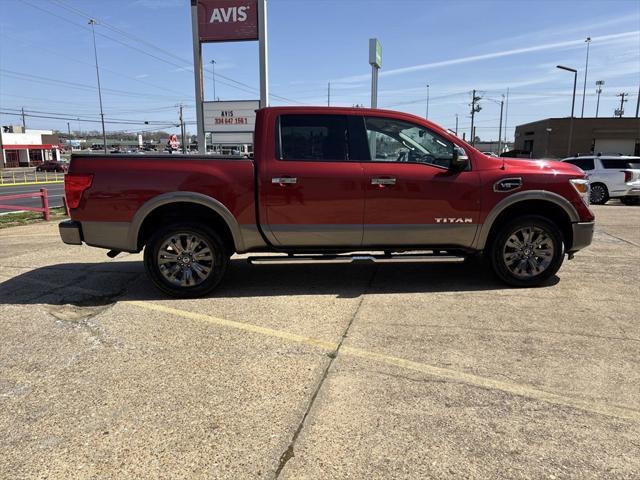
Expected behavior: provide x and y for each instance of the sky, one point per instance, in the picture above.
(145, 56)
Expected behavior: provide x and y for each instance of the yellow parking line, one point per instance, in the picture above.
(445, 373)
(247, 327)
(29, 183)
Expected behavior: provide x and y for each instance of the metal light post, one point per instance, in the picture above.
(586, 68)
(456, 124)
(92, 22)
(573, 104)
(213, 72)
(599, 84)
(427, 115)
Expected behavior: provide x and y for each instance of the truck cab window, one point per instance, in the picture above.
(314, 138)
(397, 141)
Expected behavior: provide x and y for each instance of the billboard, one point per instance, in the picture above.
(227, 20)
(230, 117)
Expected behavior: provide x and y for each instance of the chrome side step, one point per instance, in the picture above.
(355, 258)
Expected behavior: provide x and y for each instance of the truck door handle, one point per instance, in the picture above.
(284, 180)
(383, 181)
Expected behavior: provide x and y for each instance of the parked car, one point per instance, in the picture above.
(316, 191)
(611, 176)
(52, 166)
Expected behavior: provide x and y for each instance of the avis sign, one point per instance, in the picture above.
(227, 20)
(230, 117)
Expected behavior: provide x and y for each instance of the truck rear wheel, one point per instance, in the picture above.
(185, 260)
(527, 251)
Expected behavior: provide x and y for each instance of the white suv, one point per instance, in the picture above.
(611, 176)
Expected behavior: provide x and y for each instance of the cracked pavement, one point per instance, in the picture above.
(330, 371)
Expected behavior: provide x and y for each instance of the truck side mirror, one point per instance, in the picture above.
(459, 160)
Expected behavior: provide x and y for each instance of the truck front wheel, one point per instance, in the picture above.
(527, 251)
(185, 260)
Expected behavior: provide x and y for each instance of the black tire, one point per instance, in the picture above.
(502, 247)
(630, 200)
(599, 194)
(182, 233)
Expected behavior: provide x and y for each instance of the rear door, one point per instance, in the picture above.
(312, 190)
(613, 174)
(412, 198)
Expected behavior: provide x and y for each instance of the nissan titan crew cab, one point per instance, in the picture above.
(325, 184)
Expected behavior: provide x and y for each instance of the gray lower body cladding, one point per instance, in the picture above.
(582, 235)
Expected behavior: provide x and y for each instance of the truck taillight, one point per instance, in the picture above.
(74, 187)
(627, 175)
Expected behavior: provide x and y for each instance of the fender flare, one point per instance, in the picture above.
(185, 197)
(544, 195)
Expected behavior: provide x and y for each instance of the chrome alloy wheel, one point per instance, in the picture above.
(185, 259)
(598, 194)
(528, 252)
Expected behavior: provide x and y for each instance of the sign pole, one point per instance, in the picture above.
(375, 60)
(197, 71)
(264, 54)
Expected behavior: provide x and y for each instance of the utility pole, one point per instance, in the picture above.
(620, 111)
(475, 107)
(500, 127)
(329, 94)
(213, 74)
(24, 123)
(456, 124)
(427, 115)
(586, 68)
(599, 84)
(184, 147)
(638, 103)
(69, 129)
(92, 22)
(506, 114)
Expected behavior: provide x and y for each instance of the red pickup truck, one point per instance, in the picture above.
(325, 184)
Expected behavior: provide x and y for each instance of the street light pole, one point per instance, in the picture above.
(500, 127)
(599, 84)
(427, 115)
(586, 68)
(213, 71)
(573, 104)
(92, 22)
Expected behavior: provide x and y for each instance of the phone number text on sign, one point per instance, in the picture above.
(231, 121)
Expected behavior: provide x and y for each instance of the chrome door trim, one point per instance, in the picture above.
(284, 180)
(383, 181)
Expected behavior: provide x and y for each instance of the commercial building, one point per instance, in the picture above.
(27, 148)
(549, 138)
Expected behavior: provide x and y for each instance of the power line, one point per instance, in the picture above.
(65, 83)
(74, 116)
(113, 72)
(253, 90)
(84, 120)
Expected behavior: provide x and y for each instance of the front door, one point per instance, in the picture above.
(412, 198)
(312, 192)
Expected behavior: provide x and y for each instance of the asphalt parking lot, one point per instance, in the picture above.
(333, 371)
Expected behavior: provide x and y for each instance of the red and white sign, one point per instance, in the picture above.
(227, 20)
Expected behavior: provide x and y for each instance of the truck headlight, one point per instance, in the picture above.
(582, 187)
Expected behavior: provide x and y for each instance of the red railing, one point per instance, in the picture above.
(42, 194)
